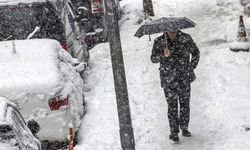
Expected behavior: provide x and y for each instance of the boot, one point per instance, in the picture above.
(174, 137)
(186, 133)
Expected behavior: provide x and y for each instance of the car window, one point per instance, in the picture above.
(51, 24)
(20, 20)
(16, 21)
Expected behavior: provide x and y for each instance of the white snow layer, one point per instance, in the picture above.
(239, 45)
(28, 66)
(220, 95)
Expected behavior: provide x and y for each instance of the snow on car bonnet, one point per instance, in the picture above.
(28, 66)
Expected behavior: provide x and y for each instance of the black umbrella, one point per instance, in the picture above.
(164, 24)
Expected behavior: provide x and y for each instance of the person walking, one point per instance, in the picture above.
(172, 50)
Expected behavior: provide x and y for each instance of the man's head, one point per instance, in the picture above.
(172, 34)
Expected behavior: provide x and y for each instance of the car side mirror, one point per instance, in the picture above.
(33, 126)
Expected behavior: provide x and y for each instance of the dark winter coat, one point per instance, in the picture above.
(177, 67)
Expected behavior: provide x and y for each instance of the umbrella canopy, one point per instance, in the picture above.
(164, 24)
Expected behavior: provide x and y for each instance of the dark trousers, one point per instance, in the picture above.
(178, 118)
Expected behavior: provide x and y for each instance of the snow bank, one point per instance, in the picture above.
(239, 45)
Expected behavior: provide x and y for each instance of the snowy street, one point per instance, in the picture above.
(220, 95)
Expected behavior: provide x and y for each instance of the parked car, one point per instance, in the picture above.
(91, 15)
(22, 19)
(44, 81)
(14, 132)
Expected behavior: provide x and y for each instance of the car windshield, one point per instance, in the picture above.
(18, 21)
(14, 21)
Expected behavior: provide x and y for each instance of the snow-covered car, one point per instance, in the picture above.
(42, 78)
(53, 19)
(14, 133)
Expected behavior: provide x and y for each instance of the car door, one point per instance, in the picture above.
(26, 139)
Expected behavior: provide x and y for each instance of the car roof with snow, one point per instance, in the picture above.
(29, 66)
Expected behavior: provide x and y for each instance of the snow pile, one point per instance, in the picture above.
(239, 45)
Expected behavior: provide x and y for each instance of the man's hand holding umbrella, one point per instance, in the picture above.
(166, 52)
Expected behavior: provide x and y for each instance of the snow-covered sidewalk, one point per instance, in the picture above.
(220, 95)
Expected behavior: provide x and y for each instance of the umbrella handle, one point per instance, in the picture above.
(166, 40)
